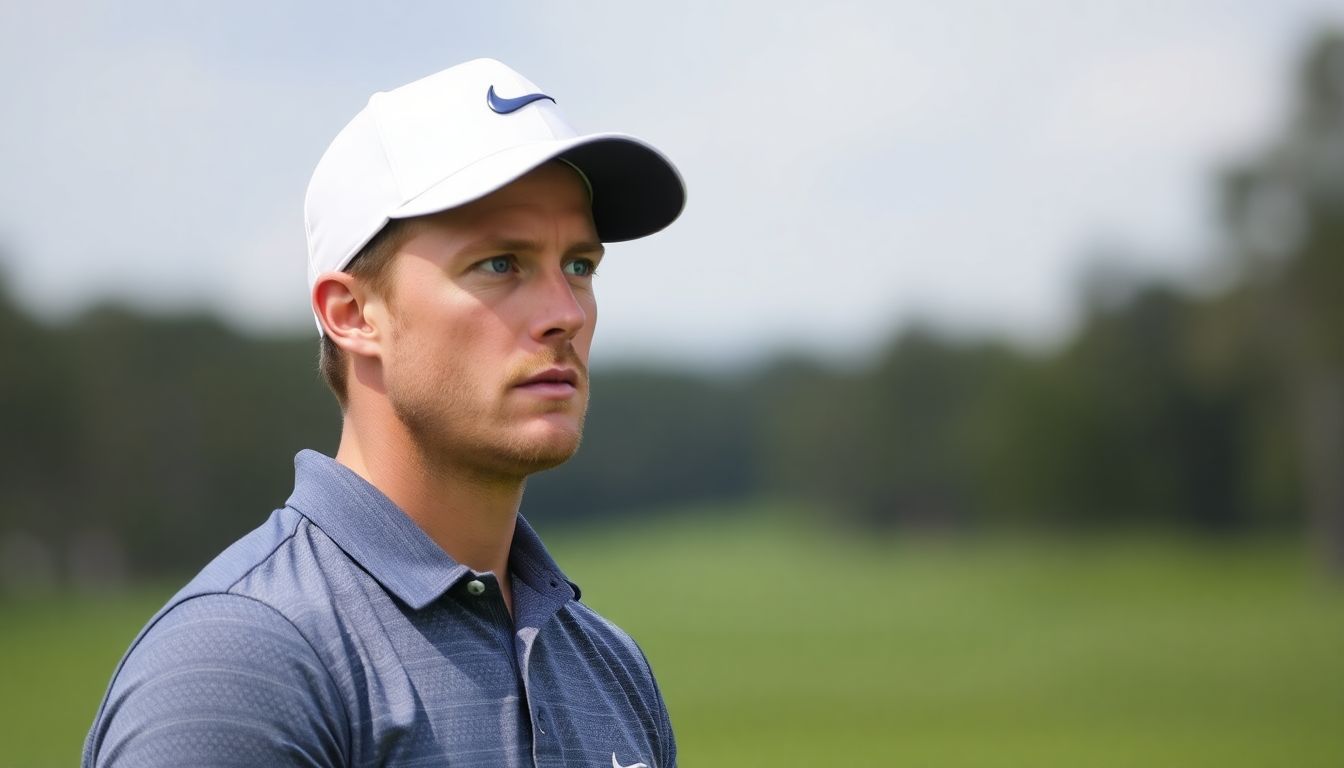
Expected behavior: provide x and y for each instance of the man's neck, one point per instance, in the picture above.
(471, 516)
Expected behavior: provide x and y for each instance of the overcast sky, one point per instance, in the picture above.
(851, 166)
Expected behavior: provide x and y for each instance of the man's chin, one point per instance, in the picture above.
(541, 445)
(548, 448)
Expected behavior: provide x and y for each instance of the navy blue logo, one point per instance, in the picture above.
(504, 106)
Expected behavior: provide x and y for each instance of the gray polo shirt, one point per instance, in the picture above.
(339, 634)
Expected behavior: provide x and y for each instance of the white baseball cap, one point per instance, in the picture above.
(458, 135)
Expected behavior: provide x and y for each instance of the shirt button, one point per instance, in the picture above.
(476, 587)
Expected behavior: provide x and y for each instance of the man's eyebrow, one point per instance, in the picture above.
(586, 247)
(593, 248)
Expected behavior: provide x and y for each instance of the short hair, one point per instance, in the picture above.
(371, 267)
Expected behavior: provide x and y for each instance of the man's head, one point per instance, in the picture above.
(474, 162)
(478, 329)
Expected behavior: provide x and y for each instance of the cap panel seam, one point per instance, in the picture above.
(387, 157)
(477, 162)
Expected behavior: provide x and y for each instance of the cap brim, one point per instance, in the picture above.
(636, 189)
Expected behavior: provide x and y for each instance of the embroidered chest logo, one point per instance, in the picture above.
(616, 764)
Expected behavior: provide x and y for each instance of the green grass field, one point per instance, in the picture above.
(776, 646)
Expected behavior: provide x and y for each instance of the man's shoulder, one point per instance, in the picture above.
(596, 622)
(611, 638)
(226, 647)
(253, 585)
(218, 673)
(244, 556)
(237, 589)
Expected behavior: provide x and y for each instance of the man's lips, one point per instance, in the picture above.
(554, 382)
(553, 376)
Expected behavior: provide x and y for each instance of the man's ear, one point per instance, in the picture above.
(341, 304)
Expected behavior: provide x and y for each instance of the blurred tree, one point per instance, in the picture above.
(1119, 429)
(897, 444)
(37, 427)
(1285, 216)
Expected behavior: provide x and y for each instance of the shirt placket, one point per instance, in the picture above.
(532, 611)
(484, 588)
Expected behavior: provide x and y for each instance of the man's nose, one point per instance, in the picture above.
(559, 314)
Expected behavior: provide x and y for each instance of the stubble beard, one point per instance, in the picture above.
(451, 426)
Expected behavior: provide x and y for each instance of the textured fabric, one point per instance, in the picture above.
(339, 634)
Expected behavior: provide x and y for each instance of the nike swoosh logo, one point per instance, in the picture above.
(615, 764)
(503, 106)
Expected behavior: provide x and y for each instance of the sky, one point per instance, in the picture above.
(852, 167)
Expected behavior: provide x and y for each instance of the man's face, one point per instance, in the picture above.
(491, 313)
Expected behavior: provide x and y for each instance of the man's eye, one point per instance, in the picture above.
(499, 265)
(581, 268)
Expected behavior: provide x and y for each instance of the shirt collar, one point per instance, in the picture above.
(377, 535)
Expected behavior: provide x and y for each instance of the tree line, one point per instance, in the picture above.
(140, 445)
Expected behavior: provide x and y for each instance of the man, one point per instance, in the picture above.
(397, 610)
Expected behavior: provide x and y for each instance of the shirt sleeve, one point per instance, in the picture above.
(221, 680)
